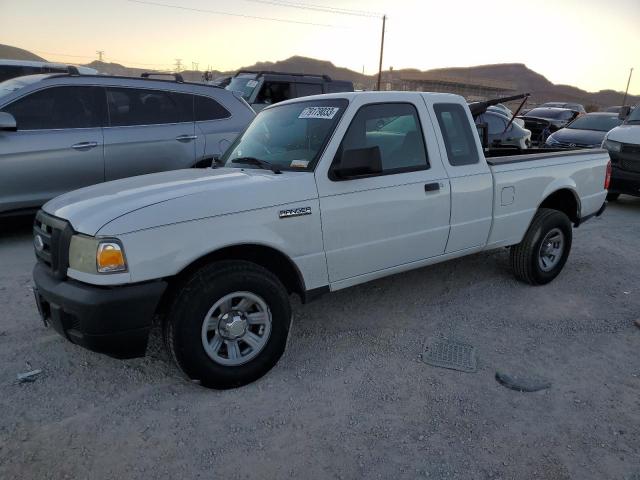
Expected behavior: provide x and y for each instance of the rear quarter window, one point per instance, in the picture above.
(206, 108)
(459, 139)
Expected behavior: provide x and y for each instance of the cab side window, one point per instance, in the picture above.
(59, 108)
(306, 89)
(274, 92)
(395, 129)
(456, 131)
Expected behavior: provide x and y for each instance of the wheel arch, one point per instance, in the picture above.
(565, 200)
(265, 256)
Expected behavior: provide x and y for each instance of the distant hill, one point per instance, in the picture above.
(15, 53)
(517, 75)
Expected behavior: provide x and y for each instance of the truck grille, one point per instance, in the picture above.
(628, 148)
(51, 238)
(630, 165)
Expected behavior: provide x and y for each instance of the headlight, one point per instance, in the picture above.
(611, 145)
(94, 255)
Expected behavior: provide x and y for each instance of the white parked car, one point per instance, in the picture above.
(318, 194)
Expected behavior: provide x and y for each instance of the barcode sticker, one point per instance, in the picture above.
(325, 113)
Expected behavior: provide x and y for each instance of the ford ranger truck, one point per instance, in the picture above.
(318, 194)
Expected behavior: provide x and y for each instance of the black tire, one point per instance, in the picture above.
(612, 197)
(525, 256)
(184, 322)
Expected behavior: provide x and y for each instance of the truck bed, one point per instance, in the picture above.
(504, 156)
(522, 181)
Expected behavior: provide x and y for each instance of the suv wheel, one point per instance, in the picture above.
(229, 323)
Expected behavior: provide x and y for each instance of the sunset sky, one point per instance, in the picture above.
(587, 43)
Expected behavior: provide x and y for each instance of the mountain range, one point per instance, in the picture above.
(517, 76)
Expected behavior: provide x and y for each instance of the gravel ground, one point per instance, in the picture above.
(351, 398)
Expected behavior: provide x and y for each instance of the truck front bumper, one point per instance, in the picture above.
(623, 181)
(112, 320)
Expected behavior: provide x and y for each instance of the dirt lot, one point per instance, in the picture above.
(351, 398)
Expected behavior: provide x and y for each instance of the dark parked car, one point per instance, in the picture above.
(261, 89)
(571, 106)
(587, 131)
(542, 121)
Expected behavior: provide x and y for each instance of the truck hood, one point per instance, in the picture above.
(178, 196)
(626, 134)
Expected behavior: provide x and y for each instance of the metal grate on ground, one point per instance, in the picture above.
(451, 354)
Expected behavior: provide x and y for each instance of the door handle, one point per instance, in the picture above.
(432, 187)
(186, 138)
(84, 145)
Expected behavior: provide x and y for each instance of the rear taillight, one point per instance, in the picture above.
(607, 177)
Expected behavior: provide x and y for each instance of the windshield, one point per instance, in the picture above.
(634, 116)
(549, 113)
(600, 123)
(290, 136)
(244, 85)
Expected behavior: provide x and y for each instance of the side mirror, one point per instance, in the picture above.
(358, 162)
(7, 122)
(624, 113)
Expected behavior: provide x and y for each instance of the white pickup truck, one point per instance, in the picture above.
(319, 194)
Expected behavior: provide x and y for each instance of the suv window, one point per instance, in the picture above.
(59, 108)
(395, 129)
(456, 131)
(132, 106)
(274, 92)
(207, 108)
(306, 89)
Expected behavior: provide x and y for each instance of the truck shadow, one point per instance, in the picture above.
(626, 202)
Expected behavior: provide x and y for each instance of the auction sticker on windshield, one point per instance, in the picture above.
(326, 113)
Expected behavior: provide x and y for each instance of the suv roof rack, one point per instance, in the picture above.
(326, 78)
(177, 77)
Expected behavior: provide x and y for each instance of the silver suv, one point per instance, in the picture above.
(60, 132)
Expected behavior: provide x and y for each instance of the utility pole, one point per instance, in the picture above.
(384, 21)
(178, 65)
(100, 54)
(194, 66)
(624, 102)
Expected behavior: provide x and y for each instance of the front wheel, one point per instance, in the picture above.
(543, 252)
(228, 324)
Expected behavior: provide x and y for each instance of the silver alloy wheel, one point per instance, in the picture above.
(551, 250)
(236, 328)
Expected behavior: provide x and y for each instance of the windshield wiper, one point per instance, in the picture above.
(258, 163)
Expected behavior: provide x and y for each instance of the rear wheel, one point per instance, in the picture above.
(543, 252)
(612, 197)
(229, 323)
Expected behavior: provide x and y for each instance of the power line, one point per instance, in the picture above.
(91, 57)
(319, 8)
(216, 12)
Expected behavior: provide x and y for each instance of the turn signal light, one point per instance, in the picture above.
(110, 258)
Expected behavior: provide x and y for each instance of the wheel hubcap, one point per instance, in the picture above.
(551, 250)
(236, 328)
